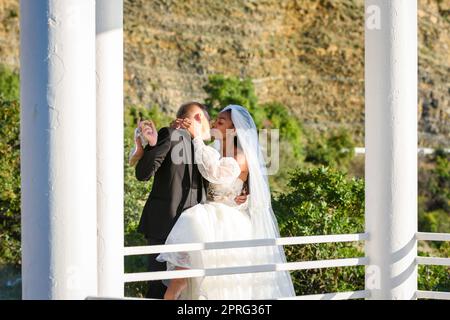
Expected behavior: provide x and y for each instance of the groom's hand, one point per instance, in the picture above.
(149, 131)
(240, 199)
(138, 151)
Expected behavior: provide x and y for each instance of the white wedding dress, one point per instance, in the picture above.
(221, 219)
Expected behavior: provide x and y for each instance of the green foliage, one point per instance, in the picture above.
(322, 201)
(439, 183)
(9, 84)
(291, 144)
(434, 216)
(434, 278)
(223, 91)
(434, 221)
(287, 162)
(277, 116)
(434, 183)
(434, 198)
(336, 149)
(10, 252)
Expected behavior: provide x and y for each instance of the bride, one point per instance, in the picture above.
(234, 164)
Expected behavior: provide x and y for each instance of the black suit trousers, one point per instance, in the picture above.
(156, 288)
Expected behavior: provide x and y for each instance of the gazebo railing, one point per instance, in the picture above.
(433, 261)
(289, 266)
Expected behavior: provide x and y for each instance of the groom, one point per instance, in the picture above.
(178, 185)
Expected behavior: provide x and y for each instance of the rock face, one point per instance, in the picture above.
(306, 54)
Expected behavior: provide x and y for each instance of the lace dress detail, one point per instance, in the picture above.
(222, 174)
(224, 193)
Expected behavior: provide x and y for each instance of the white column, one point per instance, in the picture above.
(58, 164)
(391, 147)
(109, 42)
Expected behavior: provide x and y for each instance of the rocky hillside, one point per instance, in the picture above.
(307, 54)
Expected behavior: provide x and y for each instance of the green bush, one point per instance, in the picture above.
(434, 198)
(439, 184)
(434, 278)
(434, 221)
(323, 201)
(278, 117)
(10, 252)
(336, 149)
(9, 84)
(223, 91)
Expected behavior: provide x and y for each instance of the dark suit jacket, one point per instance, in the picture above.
(177, 185)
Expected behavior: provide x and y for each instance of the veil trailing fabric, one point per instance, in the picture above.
(274, 284)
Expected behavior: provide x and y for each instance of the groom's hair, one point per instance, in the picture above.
(184, 110)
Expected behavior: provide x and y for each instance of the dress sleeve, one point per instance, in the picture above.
(213, 167)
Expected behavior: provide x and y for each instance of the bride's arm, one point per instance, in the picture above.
(212, 166)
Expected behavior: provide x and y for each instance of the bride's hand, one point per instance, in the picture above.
(194, 128)
(181, 123)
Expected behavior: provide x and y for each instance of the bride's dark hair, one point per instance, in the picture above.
(235, 139)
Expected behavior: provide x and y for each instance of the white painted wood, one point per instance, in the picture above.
(110, 208)
(319, 264)
(420, 151)
(57, 132)
(141, 250)
(326, 296)
(391, 147)
(192, 273)
(437, 295)
(429, 236)
(363, 294)
(322, 239)
(432, 261)
(116, 298)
